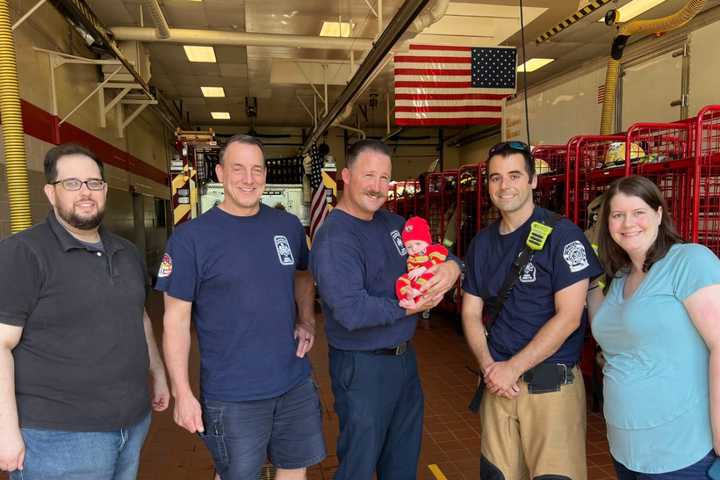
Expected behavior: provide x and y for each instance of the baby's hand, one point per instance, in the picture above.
(414, 274)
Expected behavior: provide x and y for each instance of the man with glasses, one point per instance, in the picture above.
(527, 274)
(76, 343)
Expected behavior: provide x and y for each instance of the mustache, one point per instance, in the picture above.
(373, 193)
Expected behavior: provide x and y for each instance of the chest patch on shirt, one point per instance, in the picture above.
(575, 256)
(283, 250)
(397, 239)
(528, 273)
(165, 266)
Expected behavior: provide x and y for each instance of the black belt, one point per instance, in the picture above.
(395, 351)
(549, 377)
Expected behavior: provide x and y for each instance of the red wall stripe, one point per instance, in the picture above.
(44, 126)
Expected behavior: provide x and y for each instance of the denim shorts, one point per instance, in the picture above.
(287, 429)
(60, 455)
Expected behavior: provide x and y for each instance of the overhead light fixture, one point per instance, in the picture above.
(220, 115)
(336, 29)
(633, 9)
(534, 64)
(213, 91)
(196, 53)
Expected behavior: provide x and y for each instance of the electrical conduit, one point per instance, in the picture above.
(12, 127)
(658, 25)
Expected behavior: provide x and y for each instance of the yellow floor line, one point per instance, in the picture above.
(435, 470)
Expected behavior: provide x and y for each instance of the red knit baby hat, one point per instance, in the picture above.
(416, 228)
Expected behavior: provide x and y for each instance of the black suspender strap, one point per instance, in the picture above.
(535, 242)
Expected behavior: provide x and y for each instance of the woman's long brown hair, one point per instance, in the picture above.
(612, 257)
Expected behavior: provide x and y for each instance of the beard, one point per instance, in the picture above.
(90, 222)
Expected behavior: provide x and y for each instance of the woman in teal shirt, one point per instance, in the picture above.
(659, 328)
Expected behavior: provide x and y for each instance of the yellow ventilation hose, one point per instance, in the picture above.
(12, 126)
(658, 25)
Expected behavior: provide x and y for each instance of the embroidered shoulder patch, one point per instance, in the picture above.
(575, 256)
(283, 250)
(165, 266)
(397, 240)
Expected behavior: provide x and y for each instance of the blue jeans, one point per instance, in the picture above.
(287, 428)
(696, 471)
(60, 455)
(379, 403)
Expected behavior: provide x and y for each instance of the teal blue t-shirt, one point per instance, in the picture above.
(656, 373)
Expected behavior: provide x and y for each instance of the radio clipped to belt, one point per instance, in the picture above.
(535, 242)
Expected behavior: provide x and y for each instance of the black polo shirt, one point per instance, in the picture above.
(82, 362)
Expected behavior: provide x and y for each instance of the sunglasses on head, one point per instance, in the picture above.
(505, 146)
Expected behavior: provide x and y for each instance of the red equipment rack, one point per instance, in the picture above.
(706, 182)
(591, 178)
(667, 159)
(440, 198)
(471, 202)
(552, 187)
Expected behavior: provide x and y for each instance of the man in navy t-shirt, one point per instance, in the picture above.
(239, 272)
(357, 256)
(533, 411)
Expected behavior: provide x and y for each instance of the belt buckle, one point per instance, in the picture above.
(565, 373)
(400, 349)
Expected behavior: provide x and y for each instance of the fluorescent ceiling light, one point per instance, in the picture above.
(200, 54)
(220, 115)
(213, 91)
(336, 29)
(633, 9)
(534, 64)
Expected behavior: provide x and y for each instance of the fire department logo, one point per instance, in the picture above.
(575, 256)
(528, 273)
(397, 240)
(283, 250)
(165, 266)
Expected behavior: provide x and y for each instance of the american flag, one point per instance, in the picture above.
(450, 85)
(319, 204)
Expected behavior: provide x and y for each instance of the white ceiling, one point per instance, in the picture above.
(248, 71)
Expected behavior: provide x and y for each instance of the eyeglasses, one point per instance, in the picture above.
(75, 184)
(514, 145)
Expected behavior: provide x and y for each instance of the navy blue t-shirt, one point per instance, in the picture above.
(239, 272)
(566, 259)
(355, 264)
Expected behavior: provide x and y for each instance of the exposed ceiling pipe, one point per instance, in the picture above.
(351, 129)
(428, 17)
(77, 12)
(405, 15)
(189, 36)
(370, 79)
(163, 30)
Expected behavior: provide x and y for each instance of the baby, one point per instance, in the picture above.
(421, 256)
